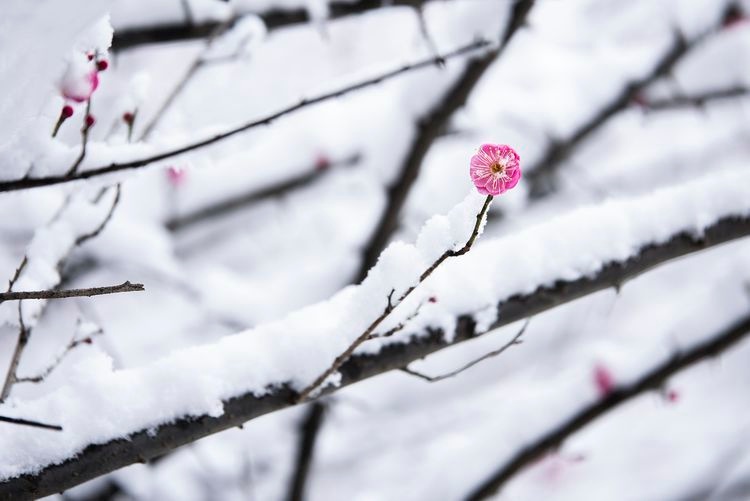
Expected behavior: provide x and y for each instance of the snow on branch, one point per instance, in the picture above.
(653, 380)
(430, 128)
(205, 389)
(273, 19)
(88, 173)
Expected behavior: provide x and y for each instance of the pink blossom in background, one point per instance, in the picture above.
(495, 169)
(176, 175)
(603, 379)
(80, 80)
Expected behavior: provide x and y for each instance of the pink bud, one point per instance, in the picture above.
(432, 299)
(603, 379)
(90, 121)
(67, 111)
(672, 396)
(102, 65)
(322, 162)
(733, 17)
(90, 56)
(128, 118)
(176, 175)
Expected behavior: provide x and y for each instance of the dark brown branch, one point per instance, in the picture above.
(273, 19)
(30, 182)
(255, 196)
(62, 294)
(651, 380)
(696, 100)
(308, 436)
(429, 129)
(390, 307)
(23, 338)
(95, 233)
(540, 175)
(493, 353)
(34, 424)
(99, 459)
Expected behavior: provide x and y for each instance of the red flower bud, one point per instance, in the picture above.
(90, 121)
(128, 118)
(67, 111)
(102, 65)
(90, 55)
(432, 299)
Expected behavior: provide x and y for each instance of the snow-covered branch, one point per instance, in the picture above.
(88, 173)
(652, 380)
(275, 18)
(262, 370)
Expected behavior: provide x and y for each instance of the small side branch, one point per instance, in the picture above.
(62, 294)
(434, 379)
(696, 100)
(651, 380)
(390, 307)
(26, 422)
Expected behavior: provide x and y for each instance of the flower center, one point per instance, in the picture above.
(498, 168)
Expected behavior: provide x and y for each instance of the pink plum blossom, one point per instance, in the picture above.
(495, 169)
(603, 379)
(80, 80)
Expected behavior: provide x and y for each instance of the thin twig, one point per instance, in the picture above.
(255, 196)
(23, 338)
(84, 140)
(88, 236)
(62, 294)
(654, 379)
(429, 129)
(434, 379)
(696, 100)
(27, 183)
(343, 357)
(73, 344)
(540, 175)
(26, 422)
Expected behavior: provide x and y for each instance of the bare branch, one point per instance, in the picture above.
(696, 100)
(23, 338)
(368, 332)
(494, 353)
(62, 294)
(255, 196)
(99, 459)
(540, 175)
(429, 129)
(308, 436)
(34, 182)
(88, 236)
(649, 381)
(26, 422)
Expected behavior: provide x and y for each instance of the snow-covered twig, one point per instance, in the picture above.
(73, 344)
(390, 307)
(430, 127)
(62, 294)
(35, 182)
(434, 379)
(654, 379)
(541, 175)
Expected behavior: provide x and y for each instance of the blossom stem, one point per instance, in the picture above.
(368, 332)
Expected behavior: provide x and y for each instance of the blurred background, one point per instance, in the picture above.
(602, 99)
